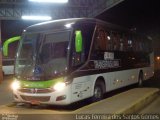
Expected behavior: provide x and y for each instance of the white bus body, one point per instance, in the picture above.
(50, 70)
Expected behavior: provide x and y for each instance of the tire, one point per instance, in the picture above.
(140, 79)
(98, 92)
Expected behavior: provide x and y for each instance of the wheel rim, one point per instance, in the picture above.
(98, 93)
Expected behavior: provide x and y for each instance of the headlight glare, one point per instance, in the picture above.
(15, 85)
(59, 86)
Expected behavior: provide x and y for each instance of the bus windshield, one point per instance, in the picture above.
(42, 56)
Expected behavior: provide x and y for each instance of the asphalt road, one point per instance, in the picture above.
(154, 82)
(154, 106)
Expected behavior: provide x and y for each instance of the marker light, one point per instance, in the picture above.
(15, 85)
(36, 18)
(50, 1)
(68, 25)
(59, 86)
(108, 37)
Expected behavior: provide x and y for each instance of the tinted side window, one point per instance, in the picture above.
(87, 30)
(102, 39)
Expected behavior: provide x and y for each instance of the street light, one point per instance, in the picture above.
(41, 18)
(49, 1)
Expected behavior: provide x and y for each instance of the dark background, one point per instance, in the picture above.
(141, 15)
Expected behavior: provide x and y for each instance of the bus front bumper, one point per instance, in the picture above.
(51, 97)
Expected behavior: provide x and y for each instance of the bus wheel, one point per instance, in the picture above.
(98, 91)
(140, 79)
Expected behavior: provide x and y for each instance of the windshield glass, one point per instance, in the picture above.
(42, 56)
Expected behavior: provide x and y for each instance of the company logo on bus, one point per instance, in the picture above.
(33, 90)
(37, 70)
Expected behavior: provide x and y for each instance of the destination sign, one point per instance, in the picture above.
(104, 64)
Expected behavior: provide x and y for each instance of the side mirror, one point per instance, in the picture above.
(7, 42)
(78, 41)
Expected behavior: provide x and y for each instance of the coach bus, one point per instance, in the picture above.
(63, 61)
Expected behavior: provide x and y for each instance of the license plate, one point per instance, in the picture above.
(35, 102)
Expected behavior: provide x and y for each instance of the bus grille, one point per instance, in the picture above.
(36, 98)
(36, 90)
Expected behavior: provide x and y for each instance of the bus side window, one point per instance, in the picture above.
(100, 40)
(87, 33)
(130, 42)
(140, 45)
(109, 43)
(125, 38)
(149, 46)
(116, 41)
(135, 44)
(121, 43)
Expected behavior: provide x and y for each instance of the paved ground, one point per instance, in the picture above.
(5, 91)
(154, 82)
(126, 102)
(152, 108)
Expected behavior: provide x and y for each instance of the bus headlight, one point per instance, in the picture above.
(59, 86)
(15, 85)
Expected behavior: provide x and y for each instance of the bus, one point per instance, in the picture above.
(64, 61)
(8, 66)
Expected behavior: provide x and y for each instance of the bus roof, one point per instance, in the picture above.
(61, 23)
